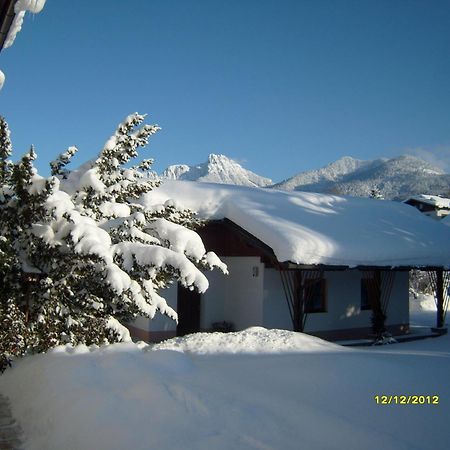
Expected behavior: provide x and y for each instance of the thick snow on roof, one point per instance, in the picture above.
(434, 200)
(309, 228)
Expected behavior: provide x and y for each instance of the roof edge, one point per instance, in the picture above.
(7, 15)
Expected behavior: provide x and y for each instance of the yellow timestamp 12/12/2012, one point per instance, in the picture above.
(406, 399)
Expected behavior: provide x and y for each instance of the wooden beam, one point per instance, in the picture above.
(440, 298)
(299, 303)
(373, 280)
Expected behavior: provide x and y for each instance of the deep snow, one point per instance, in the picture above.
(257, 389)
(310, 228)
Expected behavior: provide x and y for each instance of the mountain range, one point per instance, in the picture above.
(395, 178)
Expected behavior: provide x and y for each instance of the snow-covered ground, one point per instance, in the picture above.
(257, 389)
(422, 312)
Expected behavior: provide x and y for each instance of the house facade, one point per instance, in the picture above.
(431, 205)
(341, 273)
(336, 302)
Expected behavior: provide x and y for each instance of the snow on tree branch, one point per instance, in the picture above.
(57, 166)
(100, 257)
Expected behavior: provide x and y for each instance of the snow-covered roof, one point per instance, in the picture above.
(434, 200)
(310, 228)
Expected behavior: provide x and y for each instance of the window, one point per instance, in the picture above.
(366, 304)
(315, 295)
(370, 290)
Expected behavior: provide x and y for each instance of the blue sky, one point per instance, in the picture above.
(281, 86)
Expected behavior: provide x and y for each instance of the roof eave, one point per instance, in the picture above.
(7, 15)
(268, 252)
(288, 265)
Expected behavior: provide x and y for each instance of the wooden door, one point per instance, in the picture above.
(188, 308)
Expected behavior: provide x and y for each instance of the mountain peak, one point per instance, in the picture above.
(217, 169)
(214, 158)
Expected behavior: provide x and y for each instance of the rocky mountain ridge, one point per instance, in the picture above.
(217, 169)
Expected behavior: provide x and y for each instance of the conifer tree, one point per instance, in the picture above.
(12, 325)
(149, 247)
(81, 255)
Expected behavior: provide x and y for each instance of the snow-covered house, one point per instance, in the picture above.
(323, 264)
(430, 205)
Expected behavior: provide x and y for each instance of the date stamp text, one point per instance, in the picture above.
(406, 399)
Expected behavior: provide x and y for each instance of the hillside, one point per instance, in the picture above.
(395, 178)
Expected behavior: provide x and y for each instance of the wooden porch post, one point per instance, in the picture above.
(378, 316)
(440, 298)
(298, 305)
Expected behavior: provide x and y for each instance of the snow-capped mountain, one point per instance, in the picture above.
(395, 178)
(218, 169)
(322, 178)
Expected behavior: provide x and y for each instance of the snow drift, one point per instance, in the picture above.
(253, 340)
(321, 397)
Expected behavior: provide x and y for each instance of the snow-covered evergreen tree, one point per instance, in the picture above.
(12, 320)
(87, 256)
(376, 193)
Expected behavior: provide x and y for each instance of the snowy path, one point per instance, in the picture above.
(10, 432)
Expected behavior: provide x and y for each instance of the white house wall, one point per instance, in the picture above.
(252, 295)
(164, 323)
(398, 308)
(237, 297)
(343, 303)
(212, 303)
(159, 323)
(276, 312)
